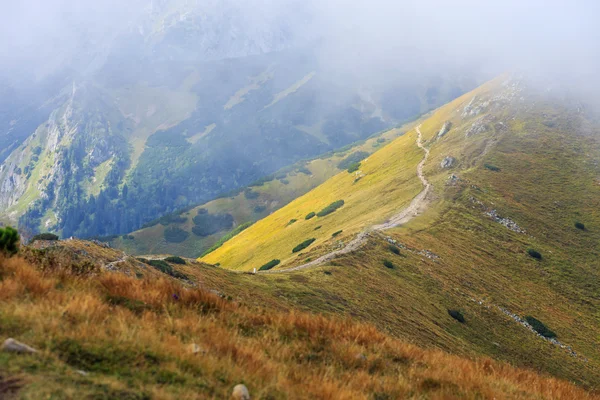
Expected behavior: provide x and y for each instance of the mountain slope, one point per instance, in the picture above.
(119, 328)
(248, 205)
(514, 169)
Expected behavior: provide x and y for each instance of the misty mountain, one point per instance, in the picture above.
(182, 104)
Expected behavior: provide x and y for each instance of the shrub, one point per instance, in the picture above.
(334, 234)
(175, 260)
(171, 219)
(388, 264)
(317, 228)
(457, 315)
(250, 195)
(539, 327)
(353, 167)
(165, 268)
(310, 215)
(259, 209)
(284, 181)
(579, 225)
(269, 265)
(174, 234)
(353, 158)
(209, 224)
(394, 249)
(9, 240)
(330, 208)
(304, 170)
(303, 245)
(535, 254)
(44, 236)
(492, 167)
(291, 221)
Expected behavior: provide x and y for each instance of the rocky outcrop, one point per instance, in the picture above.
(507, 222)
(482, 125)
(448, 162)
(13, 346)
(445, 129)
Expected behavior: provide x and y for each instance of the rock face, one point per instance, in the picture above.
(445, 129)
(448, 162)
(12, 346)
(240, 392)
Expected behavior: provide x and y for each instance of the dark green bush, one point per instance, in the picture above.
(491, 167)
(44, 236)
(317, 228)
(291, 221)
(165, 268)
(580, 225)
(303, 245)
(251, 195)
(171, 219)
(9, 240)
(535, 254)
(175, 260)
(388, 264)
(284, 181)
(269, 265)
(353, 158)
(334, 234)
(258, 209)
(457, 315)
(353, 167)
(539, 327)
(174, 234)
(209, 224)
(304, 170)
(394, 249)
(330, 208)
(310, 215)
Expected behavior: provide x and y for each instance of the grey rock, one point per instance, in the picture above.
(196, 349)
(240, 392)
(448, 162)
(445, 129)
(13, 346)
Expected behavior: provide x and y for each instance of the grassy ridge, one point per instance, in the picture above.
(144, 337)
(386, 183)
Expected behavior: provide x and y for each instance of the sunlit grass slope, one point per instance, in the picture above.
(289, 184)
(385, 183)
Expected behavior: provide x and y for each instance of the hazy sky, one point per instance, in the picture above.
(546, 37)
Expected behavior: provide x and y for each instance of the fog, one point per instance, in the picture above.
(548, 39)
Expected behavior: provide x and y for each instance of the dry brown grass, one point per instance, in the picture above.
(134, 335)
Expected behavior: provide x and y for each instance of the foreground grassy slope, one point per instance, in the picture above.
(103, 334)
(288, 184)
(522, 161)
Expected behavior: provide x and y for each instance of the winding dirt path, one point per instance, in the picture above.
(416, 206)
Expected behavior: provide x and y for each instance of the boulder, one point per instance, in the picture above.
(13, 346)
(240, 392)
(445, 129)
(448, 162)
